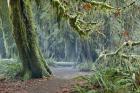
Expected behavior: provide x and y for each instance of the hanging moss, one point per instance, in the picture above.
(60, 10)
(80, 26)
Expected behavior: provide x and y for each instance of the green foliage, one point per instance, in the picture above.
(113, 75)
(101, 5)
(9, 68)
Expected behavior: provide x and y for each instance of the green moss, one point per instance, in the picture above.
(34, 65)
(26, 75)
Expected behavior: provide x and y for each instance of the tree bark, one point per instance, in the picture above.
(34, 65)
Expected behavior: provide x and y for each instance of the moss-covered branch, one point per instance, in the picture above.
(102, 5)
(117, 52)
(74, 20)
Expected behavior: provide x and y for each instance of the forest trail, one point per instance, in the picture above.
(53, 85)
(67, 72)
(61, 82)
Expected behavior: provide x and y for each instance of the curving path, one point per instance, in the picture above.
(60, 83)
(67, 72)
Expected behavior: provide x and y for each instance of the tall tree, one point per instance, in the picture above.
(2, 49)
(34, 65)
(6, 28)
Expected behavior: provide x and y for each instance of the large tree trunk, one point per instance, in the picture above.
(34, 65)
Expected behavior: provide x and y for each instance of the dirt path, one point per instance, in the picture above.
(51, 86)
(60, 83)
(67, 72)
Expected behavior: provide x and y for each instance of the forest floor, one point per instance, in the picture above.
(61, 82)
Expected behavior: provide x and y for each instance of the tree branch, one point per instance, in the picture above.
(74, 20)
(102, 5)
(125, 44)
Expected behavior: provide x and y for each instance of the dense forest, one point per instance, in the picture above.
(69, 46)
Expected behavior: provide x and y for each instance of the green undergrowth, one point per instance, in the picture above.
(9, 68)
(113, 75)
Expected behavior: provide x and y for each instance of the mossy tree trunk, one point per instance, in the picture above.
(34, 65)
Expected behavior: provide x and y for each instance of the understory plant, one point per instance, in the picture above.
(113, 74)
(9, 68)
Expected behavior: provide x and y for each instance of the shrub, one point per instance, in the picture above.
(9, 68)
(113, 75)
